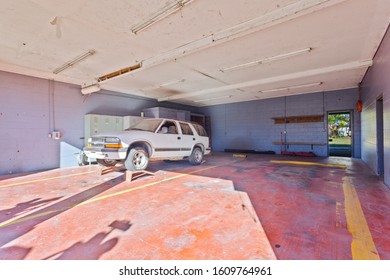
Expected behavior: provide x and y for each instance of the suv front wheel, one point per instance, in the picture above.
(106, 162)
(196, 156)
(137, 159)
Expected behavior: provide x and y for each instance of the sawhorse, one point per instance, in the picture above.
(128, 176)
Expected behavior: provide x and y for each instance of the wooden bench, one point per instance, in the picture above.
(300, 143)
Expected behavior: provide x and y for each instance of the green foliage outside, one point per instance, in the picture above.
(338, 119)
(339, 129)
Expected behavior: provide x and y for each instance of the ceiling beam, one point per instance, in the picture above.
(275, 17)
(276, 79)
(272, 18)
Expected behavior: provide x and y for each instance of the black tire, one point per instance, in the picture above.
(106, 162)
(196, 156)
(82, 159)
(137, 159)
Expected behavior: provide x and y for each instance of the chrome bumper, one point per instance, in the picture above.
(104, 153)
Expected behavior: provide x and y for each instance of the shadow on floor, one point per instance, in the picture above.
(20, 208)
(94, 248)
(15, 229)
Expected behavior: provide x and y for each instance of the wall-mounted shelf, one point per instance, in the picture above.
(299, 119)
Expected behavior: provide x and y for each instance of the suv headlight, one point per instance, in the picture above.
(112, 143)
(115, 140)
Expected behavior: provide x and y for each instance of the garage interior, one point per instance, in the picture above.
(264, 79)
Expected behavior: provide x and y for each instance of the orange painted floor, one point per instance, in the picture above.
(259, 207)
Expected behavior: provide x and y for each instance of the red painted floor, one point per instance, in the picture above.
(259, 207)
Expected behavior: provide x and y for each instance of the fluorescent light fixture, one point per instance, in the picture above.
(267, 60)
(90, 89)
(268, 20)
(276, 16)
(166, 84)
(273, 80)
(292, 87)
(214, 98)
(173, 82)
(74, 61)
(159, 15)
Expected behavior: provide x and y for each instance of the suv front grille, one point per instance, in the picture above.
(97, 142)
(97, 145)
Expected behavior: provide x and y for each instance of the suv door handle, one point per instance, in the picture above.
(179, 137)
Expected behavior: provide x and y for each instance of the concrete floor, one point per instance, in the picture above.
(259, 207)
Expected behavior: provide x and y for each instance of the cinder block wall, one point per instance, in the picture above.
(375, 84)
(28, 114)
(249, 125)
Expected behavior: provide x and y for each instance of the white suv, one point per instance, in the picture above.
(150, 139)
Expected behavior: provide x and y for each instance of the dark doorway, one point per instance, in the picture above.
(379, 136)
(340, 134)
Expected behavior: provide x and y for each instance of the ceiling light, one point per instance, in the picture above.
(90, 89)
(292, 87)
(214, 98)
(273, 80)
(74, 61)
(266, 60)
(170, 83)
(160, 14)
(275, 17)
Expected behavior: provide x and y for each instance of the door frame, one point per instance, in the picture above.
(380, 140)
(351, 115)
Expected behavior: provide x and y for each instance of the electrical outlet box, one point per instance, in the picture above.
(56, 135)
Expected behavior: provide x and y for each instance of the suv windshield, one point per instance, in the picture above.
(146, 125)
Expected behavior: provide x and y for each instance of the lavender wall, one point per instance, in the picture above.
(28, 112)
(249, 125)
(375, 84)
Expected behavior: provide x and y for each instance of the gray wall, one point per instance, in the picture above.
(375, 84)
(28, 113)
(249, 125)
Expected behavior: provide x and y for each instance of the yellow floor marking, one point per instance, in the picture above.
(239, 155)
(27, 218)
(46, 179)
(362, 246)
(310, 163)
(143, 186)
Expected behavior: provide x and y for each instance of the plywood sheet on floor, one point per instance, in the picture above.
(76, 214)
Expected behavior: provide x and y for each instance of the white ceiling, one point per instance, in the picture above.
(184, 57)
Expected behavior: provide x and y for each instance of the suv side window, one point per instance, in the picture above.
(200, 130)
(170, 127)
(186, 129)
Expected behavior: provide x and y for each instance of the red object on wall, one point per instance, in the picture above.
(359, 106)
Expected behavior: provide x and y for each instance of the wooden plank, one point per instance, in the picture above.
(299, 143)
(299, 119)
